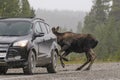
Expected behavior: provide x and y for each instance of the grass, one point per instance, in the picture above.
(75, 59)
(80, 59)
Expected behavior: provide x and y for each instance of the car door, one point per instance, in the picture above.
(44, 46)
(50, 38)
(38, 41)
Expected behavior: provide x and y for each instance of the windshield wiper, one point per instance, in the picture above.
(10, 35)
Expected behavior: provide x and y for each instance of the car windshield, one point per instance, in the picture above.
(14, 28)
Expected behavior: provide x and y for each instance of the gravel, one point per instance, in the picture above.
(99, 71)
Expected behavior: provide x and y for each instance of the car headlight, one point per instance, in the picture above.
(21, 43)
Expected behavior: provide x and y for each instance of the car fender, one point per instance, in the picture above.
(32, 47)
(54, 46)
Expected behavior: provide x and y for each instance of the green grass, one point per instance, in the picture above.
(75, 58)
(82, 61)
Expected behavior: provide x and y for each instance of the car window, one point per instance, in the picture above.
(48, 28)
(37, 28)
(14, 28)
(44, 29)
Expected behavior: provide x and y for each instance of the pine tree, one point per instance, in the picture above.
(26, 10)
(115, 25)
(16, 8)
(1, 8)
(9, 8)
(115, 12)
(108, 34)
(96, 17)
(79, 27)
(99, 23)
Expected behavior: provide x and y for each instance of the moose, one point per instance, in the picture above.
(79, 43)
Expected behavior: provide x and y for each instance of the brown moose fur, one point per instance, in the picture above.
(79, 43)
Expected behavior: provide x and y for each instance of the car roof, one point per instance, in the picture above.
(20, 19)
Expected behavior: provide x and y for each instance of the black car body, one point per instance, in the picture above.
(26, 43)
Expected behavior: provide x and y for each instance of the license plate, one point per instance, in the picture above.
(2, 55)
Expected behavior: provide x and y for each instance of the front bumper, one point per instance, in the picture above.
(14, 64)
(16, 57)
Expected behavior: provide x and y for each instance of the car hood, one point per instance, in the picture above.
(11, 39)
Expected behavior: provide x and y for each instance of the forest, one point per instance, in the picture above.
(103, 21)
(15, 8)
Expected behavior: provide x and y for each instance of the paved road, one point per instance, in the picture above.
(101, 71)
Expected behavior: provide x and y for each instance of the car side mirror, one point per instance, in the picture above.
(39, 35)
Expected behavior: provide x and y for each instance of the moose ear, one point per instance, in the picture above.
(53, 28)
(57, 28)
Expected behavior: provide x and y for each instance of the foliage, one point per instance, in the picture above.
(95, 17)
(79, 27)
(15, 8)
(104, 24)
(26, 11)
(9, 8)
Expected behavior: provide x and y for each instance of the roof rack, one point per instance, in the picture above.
(33, 18)
(16, 17)
(39, 19)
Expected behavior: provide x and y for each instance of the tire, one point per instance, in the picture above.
(30, 68)
(51, 68)
(3, 70)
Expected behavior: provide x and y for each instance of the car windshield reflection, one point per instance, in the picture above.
(12, 28)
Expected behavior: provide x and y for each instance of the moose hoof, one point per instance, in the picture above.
(63, 65)
(87, 69)
(78, 69)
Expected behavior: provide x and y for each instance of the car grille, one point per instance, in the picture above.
(4, 48)
(4, 45)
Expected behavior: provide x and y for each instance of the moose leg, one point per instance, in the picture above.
(64, 48)
(93, 57)
(63, 65)
(88, 60)
(63, 56)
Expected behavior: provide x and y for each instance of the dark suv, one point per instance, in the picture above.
(27, 43)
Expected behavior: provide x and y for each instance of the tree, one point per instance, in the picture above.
(114, 16)
(15, 8)
(108, 34)
(96, 17)
(8, 8)
(115, 11)
(106, 27)
(79, 27)
(26, 10)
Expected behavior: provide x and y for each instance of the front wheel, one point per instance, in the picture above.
(3, 70)
(29, 69)
(51, 68)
